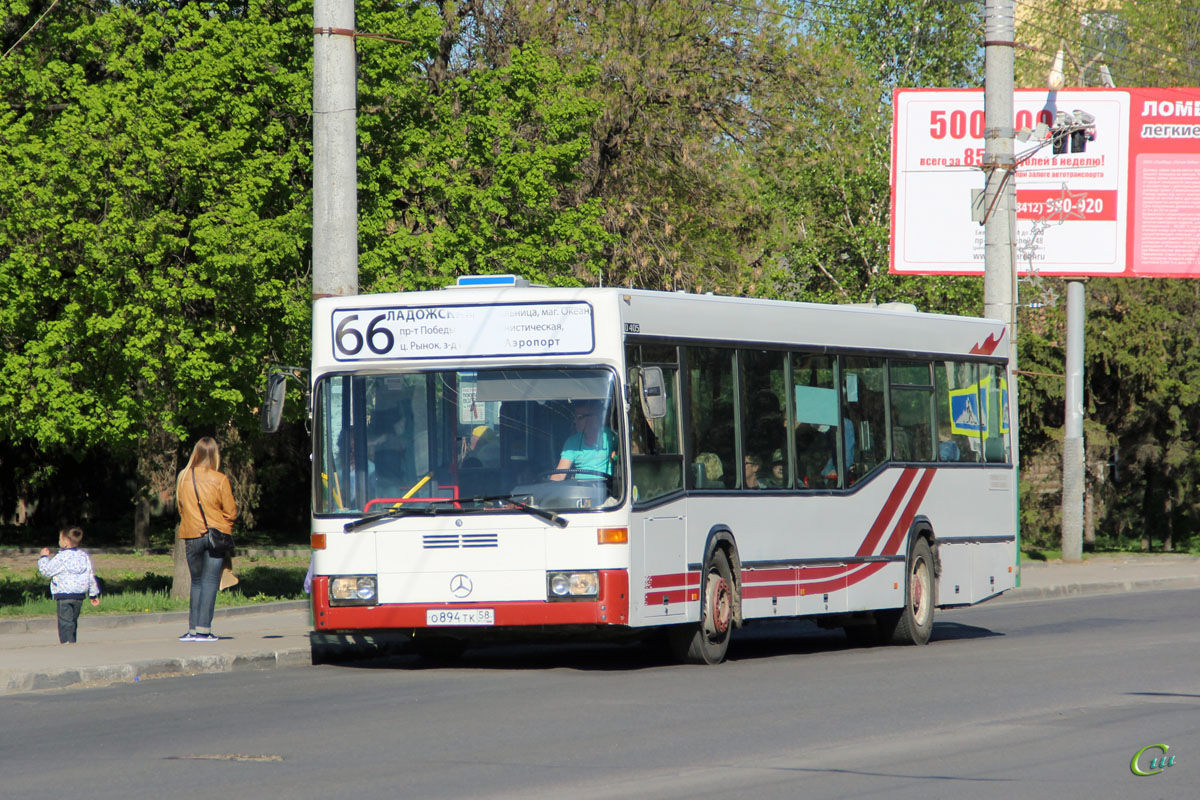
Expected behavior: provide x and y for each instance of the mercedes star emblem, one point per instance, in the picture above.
(460, 585)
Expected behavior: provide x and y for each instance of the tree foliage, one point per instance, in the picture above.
(466, 169)
(1141, 412)
(155, 170)
(153, 215)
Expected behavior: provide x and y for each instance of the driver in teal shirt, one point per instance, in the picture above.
(592, 448)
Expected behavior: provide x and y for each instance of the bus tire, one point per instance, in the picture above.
(914, 623)
(707, 641)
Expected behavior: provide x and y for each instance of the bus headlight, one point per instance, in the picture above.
(572, 585)
(353, 590)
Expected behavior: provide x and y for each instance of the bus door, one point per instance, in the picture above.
(660, 566)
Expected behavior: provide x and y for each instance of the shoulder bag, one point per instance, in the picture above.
(219, 542)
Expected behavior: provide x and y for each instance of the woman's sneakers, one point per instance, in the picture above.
(192, 636)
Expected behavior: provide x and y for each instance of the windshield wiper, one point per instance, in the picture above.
(431, 509)
(544, 513)
(397, 510)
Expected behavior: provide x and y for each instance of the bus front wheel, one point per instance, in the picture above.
(707, 641)
(914, 623)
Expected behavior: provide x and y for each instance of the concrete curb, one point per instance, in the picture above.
(154, 668)
(1102, 587)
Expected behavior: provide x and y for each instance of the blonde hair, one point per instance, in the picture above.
(204, 454)
(74, 535)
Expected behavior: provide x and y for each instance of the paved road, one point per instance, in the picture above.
(124, 649)
(1018, 699)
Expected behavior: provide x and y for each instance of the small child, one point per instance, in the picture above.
(71, 579)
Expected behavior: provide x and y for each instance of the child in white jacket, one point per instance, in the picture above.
(71, 579)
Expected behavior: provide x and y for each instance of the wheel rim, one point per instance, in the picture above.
(719, 610)
(921, 593)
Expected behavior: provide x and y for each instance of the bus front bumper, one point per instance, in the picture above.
(610, 607)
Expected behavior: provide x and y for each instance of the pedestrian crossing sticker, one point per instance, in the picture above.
(964, 412)
(970, 413)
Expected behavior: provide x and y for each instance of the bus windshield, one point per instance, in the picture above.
(546, 437)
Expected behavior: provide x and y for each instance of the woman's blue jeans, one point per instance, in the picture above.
(206, 579)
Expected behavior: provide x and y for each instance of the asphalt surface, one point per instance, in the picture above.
(114, 649)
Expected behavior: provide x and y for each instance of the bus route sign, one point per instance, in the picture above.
(462, 331)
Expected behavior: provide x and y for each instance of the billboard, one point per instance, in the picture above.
(1121, 199)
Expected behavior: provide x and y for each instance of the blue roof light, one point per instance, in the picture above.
(491, 280)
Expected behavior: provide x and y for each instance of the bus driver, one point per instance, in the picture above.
(593, 446)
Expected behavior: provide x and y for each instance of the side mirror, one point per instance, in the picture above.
(654, 393)
(272, 409)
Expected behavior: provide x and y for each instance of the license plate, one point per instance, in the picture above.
(460, 616)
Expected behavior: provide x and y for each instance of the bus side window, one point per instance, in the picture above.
(863, 395)
(711, 412)
(911, 388)
(764, 420)
(815, 421)
(657, 464)
(958, 412)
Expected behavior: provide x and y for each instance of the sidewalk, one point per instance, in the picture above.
(113, 649)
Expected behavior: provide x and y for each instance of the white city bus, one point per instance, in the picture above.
(499, 459)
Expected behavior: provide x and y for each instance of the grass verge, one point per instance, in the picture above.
(141, 584)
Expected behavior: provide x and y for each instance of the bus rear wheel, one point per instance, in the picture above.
(914, 623)
(707, 641)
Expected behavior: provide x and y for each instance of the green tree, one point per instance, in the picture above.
(1141, 414)
(832, 167)
(468, 167)
(153, 221)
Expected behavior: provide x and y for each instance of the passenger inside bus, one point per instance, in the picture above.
(816, 454)
(752, 466)
(591, 449)
(707, 471)
(480, 449)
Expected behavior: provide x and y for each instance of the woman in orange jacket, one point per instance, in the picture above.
(201, 482)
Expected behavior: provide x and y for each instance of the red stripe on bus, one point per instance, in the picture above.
(657, 598)
(910, 511)
(887, 512)
(685, 579)
(851, 576)
(788, 574)
(610, 608)
(988, 345)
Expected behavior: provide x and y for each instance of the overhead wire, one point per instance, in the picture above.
(1127, 24)
(31, 27)
(1080, 47)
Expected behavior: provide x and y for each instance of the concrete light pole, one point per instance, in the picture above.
(999, 165)
(999, 198)
(1073, 451)
(335, 150)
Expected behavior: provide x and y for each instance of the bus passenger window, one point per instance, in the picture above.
(958, 414)
(912, 411)
(764, 424)
(657, 464)
(816, 422)
(863, 398)
(711, 415)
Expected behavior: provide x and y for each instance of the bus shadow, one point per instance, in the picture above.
(765, 640)
(758, 641)
(526, 656)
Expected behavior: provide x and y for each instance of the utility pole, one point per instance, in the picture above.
(1073, 452)
(335, 150)
(999, 200)
(999, 166)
